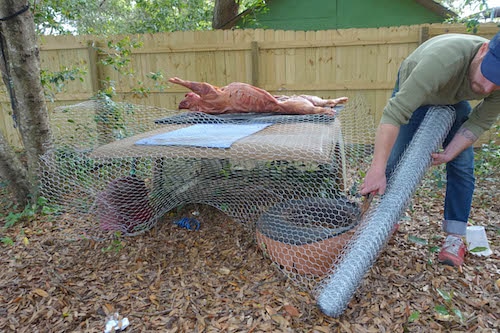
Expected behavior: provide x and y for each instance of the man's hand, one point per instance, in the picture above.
(438, 158)
(375, 182)
(462, 140)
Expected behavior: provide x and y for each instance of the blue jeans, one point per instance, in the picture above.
(459, 171)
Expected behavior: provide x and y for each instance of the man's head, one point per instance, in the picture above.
(490, 66)
(484, 70)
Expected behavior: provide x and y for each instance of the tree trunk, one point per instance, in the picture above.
(12, 170)
(224, 11)
(20, 57)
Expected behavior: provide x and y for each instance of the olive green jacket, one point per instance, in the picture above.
(436, 73)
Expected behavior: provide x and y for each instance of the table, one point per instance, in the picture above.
(288, 159)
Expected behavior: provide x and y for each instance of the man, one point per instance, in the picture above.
(446, 70)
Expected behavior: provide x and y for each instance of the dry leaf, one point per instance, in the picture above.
(224, 271)
(282, 321)
(153, 300)
(17, 299)
(108, 309)
(291, 310)
(41, 292)
(83, 283)
(270, 310)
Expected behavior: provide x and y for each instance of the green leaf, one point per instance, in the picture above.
(7, 241)
(444, 294)
(459, 314)
(42, 201)
(417, 240)
(414, 316)
(12, 219)
(434, 249)
(478, 249)
(442, 310)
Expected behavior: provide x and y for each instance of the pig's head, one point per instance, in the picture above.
(190, 102)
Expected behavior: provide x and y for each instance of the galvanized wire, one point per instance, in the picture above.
(336, 291)
(294, 183)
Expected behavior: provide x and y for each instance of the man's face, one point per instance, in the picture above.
(480, 84)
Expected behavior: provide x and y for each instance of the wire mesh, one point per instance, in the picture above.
(362, 250)
(294, 183)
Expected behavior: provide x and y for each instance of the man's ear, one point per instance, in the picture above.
(483, 49)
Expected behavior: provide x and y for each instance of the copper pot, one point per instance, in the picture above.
(306, 236)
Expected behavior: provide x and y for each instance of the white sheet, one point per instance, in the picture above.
(204, 135)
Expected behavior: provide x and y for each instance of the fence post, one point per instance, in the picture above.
(424, 35)
(93, 70)
(255, 63)
(103, 109)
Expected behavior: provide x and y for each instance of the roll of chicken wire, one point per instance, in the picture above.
(361, 252)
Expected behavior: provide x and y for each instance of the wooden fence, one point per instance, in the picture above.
(333, 63)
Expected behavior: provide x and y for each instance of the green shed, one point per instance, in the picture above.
(341, 14)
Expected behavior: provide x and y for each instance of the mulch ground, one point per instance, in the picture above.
(216, 279)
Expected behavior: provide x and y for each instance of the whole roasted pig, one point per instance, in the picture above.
(238, 97)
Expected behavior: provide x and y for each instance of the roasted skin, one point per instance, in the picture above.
(238, 97)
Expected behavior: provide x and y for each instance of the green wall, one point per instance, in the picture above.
(342, 14)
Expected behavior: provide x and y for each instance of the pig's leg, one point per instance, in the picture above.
(318, 101)
(304, 107)
(200, 88)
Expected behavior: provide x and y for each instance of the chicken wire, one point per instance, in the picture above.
(293, 183)
(362, 250)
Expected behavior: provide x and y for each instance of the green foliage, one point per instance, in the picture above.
(417, 240)
(487, 165)
(459, 7)
(54, 82)
(258, 7)
(117, 54)
(414, 316)
(446, 310)
(111, 119)
(82, 17)
(471, 22)
(472, 25)
(112, 17)
(7, 241)
(438, 176)
(73, 165)
(434, 182)
(116, 244)
(47, 17)
(29, 212)
(143, 89)
(172, 15)
(487, 158)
